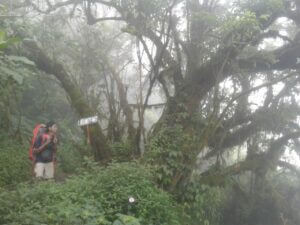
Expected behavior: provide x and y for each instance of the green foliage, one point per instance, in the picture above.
(70, 157)
(10, 65)
(165, 152)
(263, 9)
(13, 67)
(205, 206)
(5, 42)
(169, 151)
(15, 166)
(126, 220)
(98, 196)
(173, 150)
(48, 203)
(239, 28)
(149, 9)
(121, 151)
(206, 17)
(13, 70)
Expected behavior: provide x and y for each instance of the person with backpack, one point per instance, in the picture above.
(44, 151)
(38, 130)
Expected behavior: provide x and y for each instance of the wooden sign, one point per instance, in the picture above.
(87, 121)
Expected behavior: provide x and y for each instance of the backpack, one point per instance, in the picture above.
(45, 154)
(36, 132)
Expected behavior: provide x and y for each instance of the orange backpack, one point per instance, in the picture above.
(36, 131)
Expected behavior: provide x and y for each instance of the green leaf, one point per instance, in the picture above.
(21, 59)
(3, 45)
(126, 220)
(17, 77)
(13, 40)
(2, 36)
(117, 222)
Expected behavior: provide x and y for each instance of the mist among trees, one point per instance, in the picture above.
(197, 101)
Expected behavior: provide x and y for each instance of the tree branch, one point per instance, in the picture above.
(96, 20)
(289, 166)
(255, 89)
(52, 7)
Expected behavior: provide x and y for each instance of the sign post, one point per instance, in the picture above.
(88, 135)
(86, 122)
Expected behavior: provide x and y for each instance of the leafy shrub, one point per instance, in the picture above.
(121, 151)
(70, 157)
(170, 151)
(206, 206)
(96, 196)
(126, 220)
(15, 167)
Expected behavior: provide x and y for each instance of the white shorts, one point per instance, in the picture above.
(44, 170)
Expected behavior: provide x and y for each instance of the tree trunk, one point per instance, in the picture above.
(176, 137)
(132, 131)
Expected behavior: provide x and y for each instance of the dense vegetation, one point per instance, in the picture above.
(198, 107)
(96, 196)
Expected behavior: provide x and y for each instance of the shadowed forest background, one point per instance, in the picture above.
(198, 104)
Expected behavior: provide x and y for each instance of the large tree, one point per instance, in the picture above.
(209, 58)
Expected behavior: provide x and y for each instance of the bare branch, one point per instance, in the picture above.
(159, 56)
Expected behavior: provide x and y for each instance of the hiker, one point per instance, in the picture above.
(37, 132)
(44, 151)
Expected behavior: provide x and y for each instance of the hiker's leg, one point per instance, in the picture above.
(49, 170)
(33, 168)
(39, 170)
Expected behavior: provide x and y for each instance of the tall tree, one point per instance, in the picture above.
(209, 58)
